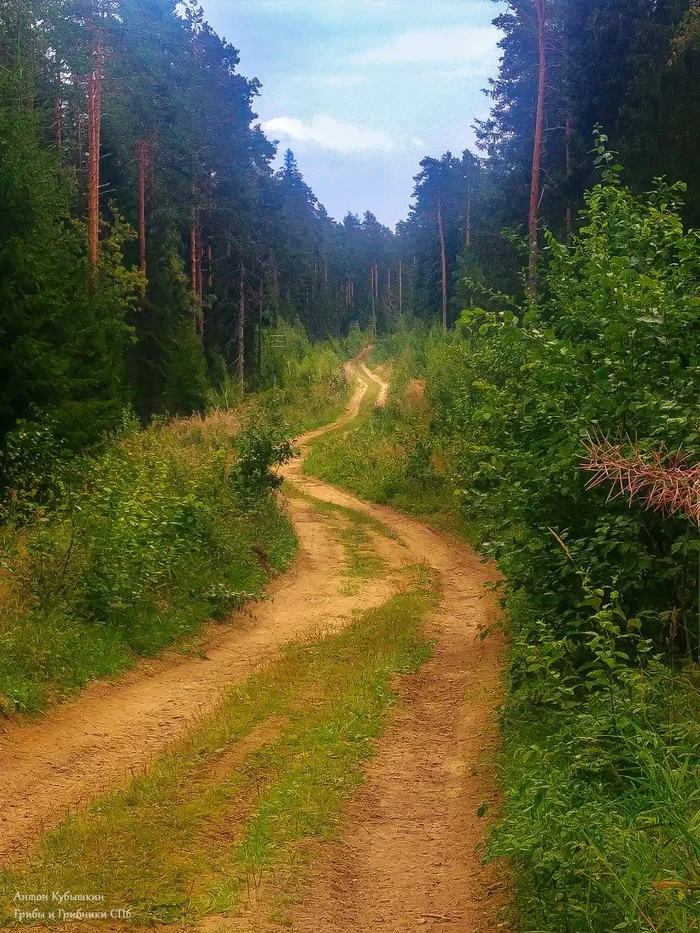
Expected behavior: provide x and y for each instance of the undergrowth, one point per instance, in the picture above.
(301, 383)
(207, 825)
(132, 550)
(600, 762)
(390, 454)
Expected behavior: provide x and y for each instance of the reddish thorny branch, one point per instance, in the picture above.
(663, 478)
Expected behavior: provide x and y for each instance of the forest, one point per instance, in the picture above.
(312, 513)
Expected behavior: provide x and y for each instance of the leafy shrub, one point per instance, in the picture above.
(163, 530)
(261, 446)
(600, 763)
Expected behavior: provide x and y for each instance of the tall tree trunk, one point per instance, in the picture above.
(200, 280)
(374, 303)
(568, 177)
(210, 270)
(94, 94)
(193, 263)
(58, 121)
(240, 371)
(541, 10)
(443, 263)
(260, 323)
(468, 237)
(142, 161)
(78, 124)
(400, 293)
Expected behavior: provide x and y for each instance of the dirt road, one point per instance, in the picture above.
(408, 856)
(84, 747)
(406, 859)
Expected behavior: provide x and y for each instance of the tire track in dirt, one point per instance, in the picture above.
(92, 744)
(411, 847)
(406, 858)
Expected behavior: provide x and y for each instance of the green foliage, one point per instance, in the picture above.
(303, 383)
(62, 340)
(160, 532)
(600, 761)
(600, 771)
(390, 454)
(261, 446)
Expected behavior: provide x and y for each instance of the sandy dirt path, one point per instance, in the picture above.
(409, 857)
(95, 742)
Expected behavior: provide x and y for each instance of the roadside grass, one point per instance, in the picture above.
(207, 828)
(599, 767)
(149, 539)
(390, 456)
(361, 519)
(301, 383)
(602, 806)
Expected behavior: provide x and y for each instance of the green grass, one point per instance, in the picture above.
(602, 811)
(155, 538)
(361, 519)
(199, 831)
(600, 766)
(388, 455)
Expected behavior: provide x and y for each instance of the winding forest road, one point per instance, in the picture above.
(406, 859)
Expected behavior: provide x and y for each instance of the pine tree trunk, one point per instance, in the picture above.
(200, 280)
(241, 331)
(568, 177)
(94, 89)
(443, 263)
(78, 125)
(260, 323)
(541, 10)
(468, 237)
(142, 162)
(400, 293)
(193, 268)
(58, 122)
(374, 304)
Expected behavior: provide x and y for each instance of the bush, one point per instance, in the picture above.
(600, 763)
(164, 529)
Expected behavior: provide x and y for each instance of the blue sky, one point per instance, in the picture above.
(361, 90)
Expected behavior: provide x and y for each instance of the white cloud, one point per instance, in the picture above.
(329, 133)
(343, 80)
(470, 45)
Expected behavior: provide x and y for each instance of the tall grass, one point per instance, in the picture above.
(301, 383)
(391, 454)
(137, 548)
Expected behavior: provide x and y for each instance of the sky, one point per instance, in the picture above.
(362, 90)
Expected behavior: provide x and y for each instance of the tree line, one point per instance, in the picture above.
(480, 221)
(147, 241)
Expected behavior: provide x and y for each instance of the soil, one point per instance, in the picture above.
(409, 852)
